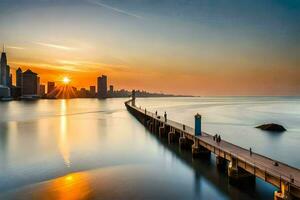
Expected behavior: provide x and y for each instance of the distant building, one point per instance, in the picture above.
(10, 81)
(3, 66)
(42, 90)
(102, 86)
(92, 91)
(51, 87)
(4, 91)
(30, 83)
(83, 93)
(19, 78)
(5, 78)
(111, 91)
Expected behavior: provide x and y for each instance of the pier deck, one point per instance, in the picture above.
(283, 176)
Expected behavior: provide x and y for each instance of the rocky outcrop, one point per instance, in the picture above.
(272, 127)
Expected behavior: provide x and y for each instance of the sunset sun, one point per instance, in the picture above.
(66, 80)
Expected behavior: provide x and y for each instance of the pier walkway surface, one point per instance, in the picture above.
(281, 175)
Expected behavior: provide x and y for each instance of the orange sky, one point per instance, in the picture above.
(195, 48)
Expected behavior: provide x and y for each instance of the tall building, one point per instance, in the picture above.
(30, 83)
(42, 90)
(4, 76)
(4, 69)
(102, 86)
(93, 91)
(10, 81)
(19, 78)
(7, 76)
(51, 87)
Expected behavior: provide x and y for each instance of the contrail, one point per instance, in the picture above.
(115, 9)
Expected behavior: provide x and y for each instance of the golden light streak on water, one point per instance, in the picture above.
(63, 137)
(70, 187)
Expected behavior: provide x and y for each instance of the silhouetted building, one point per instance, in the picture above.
(102, 86)
(42, 90)
(15, 92)
(111, 89)
(3, 70)
(19, 78)
(10, 81)
(30, 83)
(92, 91)
(51, 87)
(5, 78)
(4, 91)
(83, 93)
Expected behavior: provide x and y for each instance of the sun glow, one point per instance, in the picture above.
(66, 80)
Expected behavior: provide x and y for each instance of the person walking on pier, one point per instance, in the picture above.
(215, 137)
(218, 138)
(165, 116)
(156, 113)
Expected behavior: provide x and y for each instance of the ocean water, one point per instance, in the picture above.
(94, 149)
(235, 119)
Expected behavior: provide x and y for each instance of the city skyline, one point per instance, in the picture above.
(184, 47)
(27, 86)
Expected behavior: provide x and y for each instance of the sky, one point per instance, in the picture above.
(196, 47)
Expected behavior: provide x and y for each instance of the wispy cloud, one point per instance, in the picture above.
(114, 9)
(48, 66)
(14, 47)
(56, 46)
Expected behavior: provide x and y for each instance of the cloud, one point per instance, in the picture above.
(114, 9)
(56, 46)
(49, 66)
(14, 47)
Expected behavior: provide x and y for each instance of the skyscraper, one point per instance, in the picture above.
(51, 87)
(102, 86)
(30, 83)
(19, 78)
(7, 76)
(4, 67)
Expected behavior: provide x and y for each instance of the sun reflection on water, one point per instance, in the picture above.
(63, 136)
(69, 187)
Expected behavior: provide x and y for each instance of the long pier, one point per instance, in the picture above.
(240, 163)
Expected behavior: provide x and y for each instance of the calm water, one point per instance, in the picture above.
(93, 148)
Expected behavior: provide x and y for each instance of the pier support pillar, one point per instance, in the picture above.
(156, 125)
(161, 131)
(238, 175)
(283, 193)
(151, 126)
(172, 137)
(199, 151)
(183, 143)
(221, 163)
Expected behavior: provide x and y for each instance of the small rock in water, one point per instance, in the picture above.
(272, 127)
